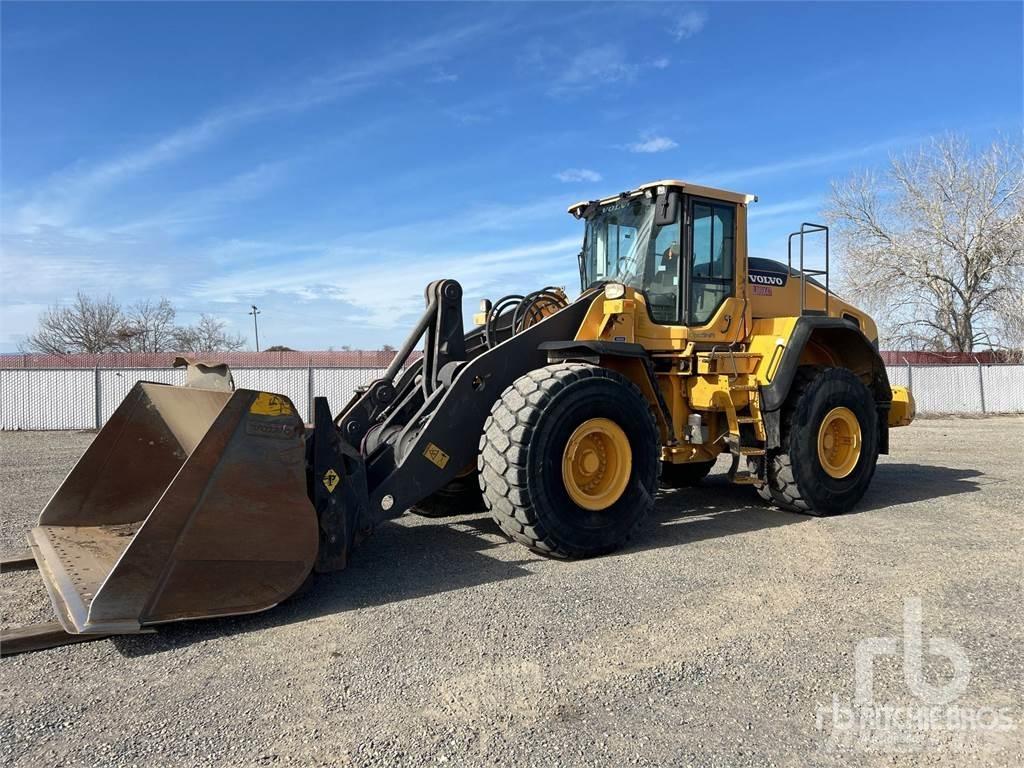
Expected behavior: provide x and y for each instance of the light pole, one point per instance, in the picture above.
(256, 325)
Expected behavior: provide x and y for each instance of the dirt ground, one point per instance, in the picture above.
(727, 634)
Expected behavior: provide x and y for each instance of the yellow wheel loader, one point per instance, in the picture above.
(559, 417)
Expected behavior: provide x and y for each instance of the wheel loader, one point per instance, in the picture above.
(560, 417)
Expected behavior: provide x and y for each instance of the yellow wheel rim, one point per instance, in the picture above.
(839, 442)
(596, 464)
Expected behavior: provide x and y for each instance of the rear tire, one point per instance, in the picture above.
(461, 496)
(528, 437)
(684, 475)
(798, 479)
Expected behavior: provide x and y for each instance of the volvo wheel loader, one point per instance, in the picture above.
(558, 416)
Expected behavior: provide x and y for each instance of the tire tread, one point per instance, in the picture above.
(504, 475)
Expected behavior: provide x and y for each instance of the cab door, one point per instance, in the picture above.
(712, 304)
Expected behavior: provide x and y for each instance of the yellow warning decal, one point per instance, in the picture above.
(331, 480)
(267, 404)
(436, 455)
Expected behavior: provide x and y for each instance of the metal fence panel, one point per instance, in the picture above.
(898, 375)
(1004, 388)
(115, 385)
(68, 398)
(47, 399)
(946, 388)
(338, 384)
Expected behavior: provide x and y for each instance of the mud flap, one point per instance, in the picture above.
(189, 503)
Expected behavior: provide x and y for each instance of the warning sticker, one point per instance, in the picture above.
(331, 480)
(436, 455)
(267, 404)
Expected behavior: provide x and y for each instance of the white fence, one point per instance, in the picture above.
(84, 398)
(964, 389)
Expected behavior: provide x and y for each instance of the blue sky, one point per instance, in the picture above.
(326, 161)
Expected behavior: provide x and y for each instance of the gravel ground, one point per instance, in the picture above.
(724, 635)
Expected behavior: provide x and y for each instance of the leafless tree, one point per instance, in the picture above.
(101, 325)
(208, 335)
(86, 325)
(933, 247)
(149, 327)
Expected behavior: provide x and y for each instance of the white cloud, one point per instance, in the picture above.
(577, 174)
(64, 196)
(443, 76)
(688, 24)
(652, 144)
(467, 116)
(382, 272)
(208, 203)
(592, 67)
(386, 293)
(662, 62)
(785, 208)
(800, 162)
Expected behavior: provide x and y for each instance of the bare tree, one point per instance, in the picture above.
(934, 246)
(1010, 332)
(101, 325)
(208, 335)
(149, 327)
(87, 325)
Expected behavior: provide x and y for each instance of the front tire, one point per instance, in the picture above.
(829, 444)
(569, 460)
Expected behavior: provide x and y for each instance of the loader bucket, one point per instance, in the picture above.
(189, 503)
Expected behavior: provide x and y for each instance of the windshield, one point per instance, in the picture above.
(624, 245)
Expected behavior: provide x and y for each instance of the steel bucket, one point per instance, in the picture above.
(190, 503)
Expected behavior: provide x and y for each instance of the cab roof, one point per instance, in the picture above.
(687, 187)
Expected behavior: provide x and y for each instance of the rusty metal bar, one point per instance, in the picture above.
(18, 561)
(39, 637)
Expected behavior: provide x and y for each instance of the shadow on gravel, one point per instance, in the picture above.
(908, 483)
(404, 562)
(396, 563)
(719, 508)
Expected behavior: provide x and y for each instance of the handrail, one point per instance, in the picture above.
(807, 228)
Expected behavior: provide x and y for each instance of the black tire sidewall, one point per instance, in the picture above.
(833, 389)
(572, 526)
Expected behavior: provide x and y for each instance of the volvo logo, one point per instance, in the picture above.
(767, 279)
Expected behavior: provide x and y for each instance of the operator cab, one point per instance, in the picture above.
(674, 241)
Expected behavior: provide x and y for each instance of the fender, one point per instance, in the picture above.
(636, 364)
(840, 335)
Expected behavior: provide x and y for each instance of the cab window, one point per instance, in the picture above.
(663, 286)
(711, 259)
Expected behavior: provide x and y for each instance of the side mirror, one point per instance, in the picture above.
(666, 208)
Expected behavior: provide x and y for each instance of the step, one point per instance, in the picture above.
(749, 451)
(743, 478)
(747, 420)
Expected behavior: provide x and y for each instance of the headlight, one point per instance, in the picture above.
(614, 291)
